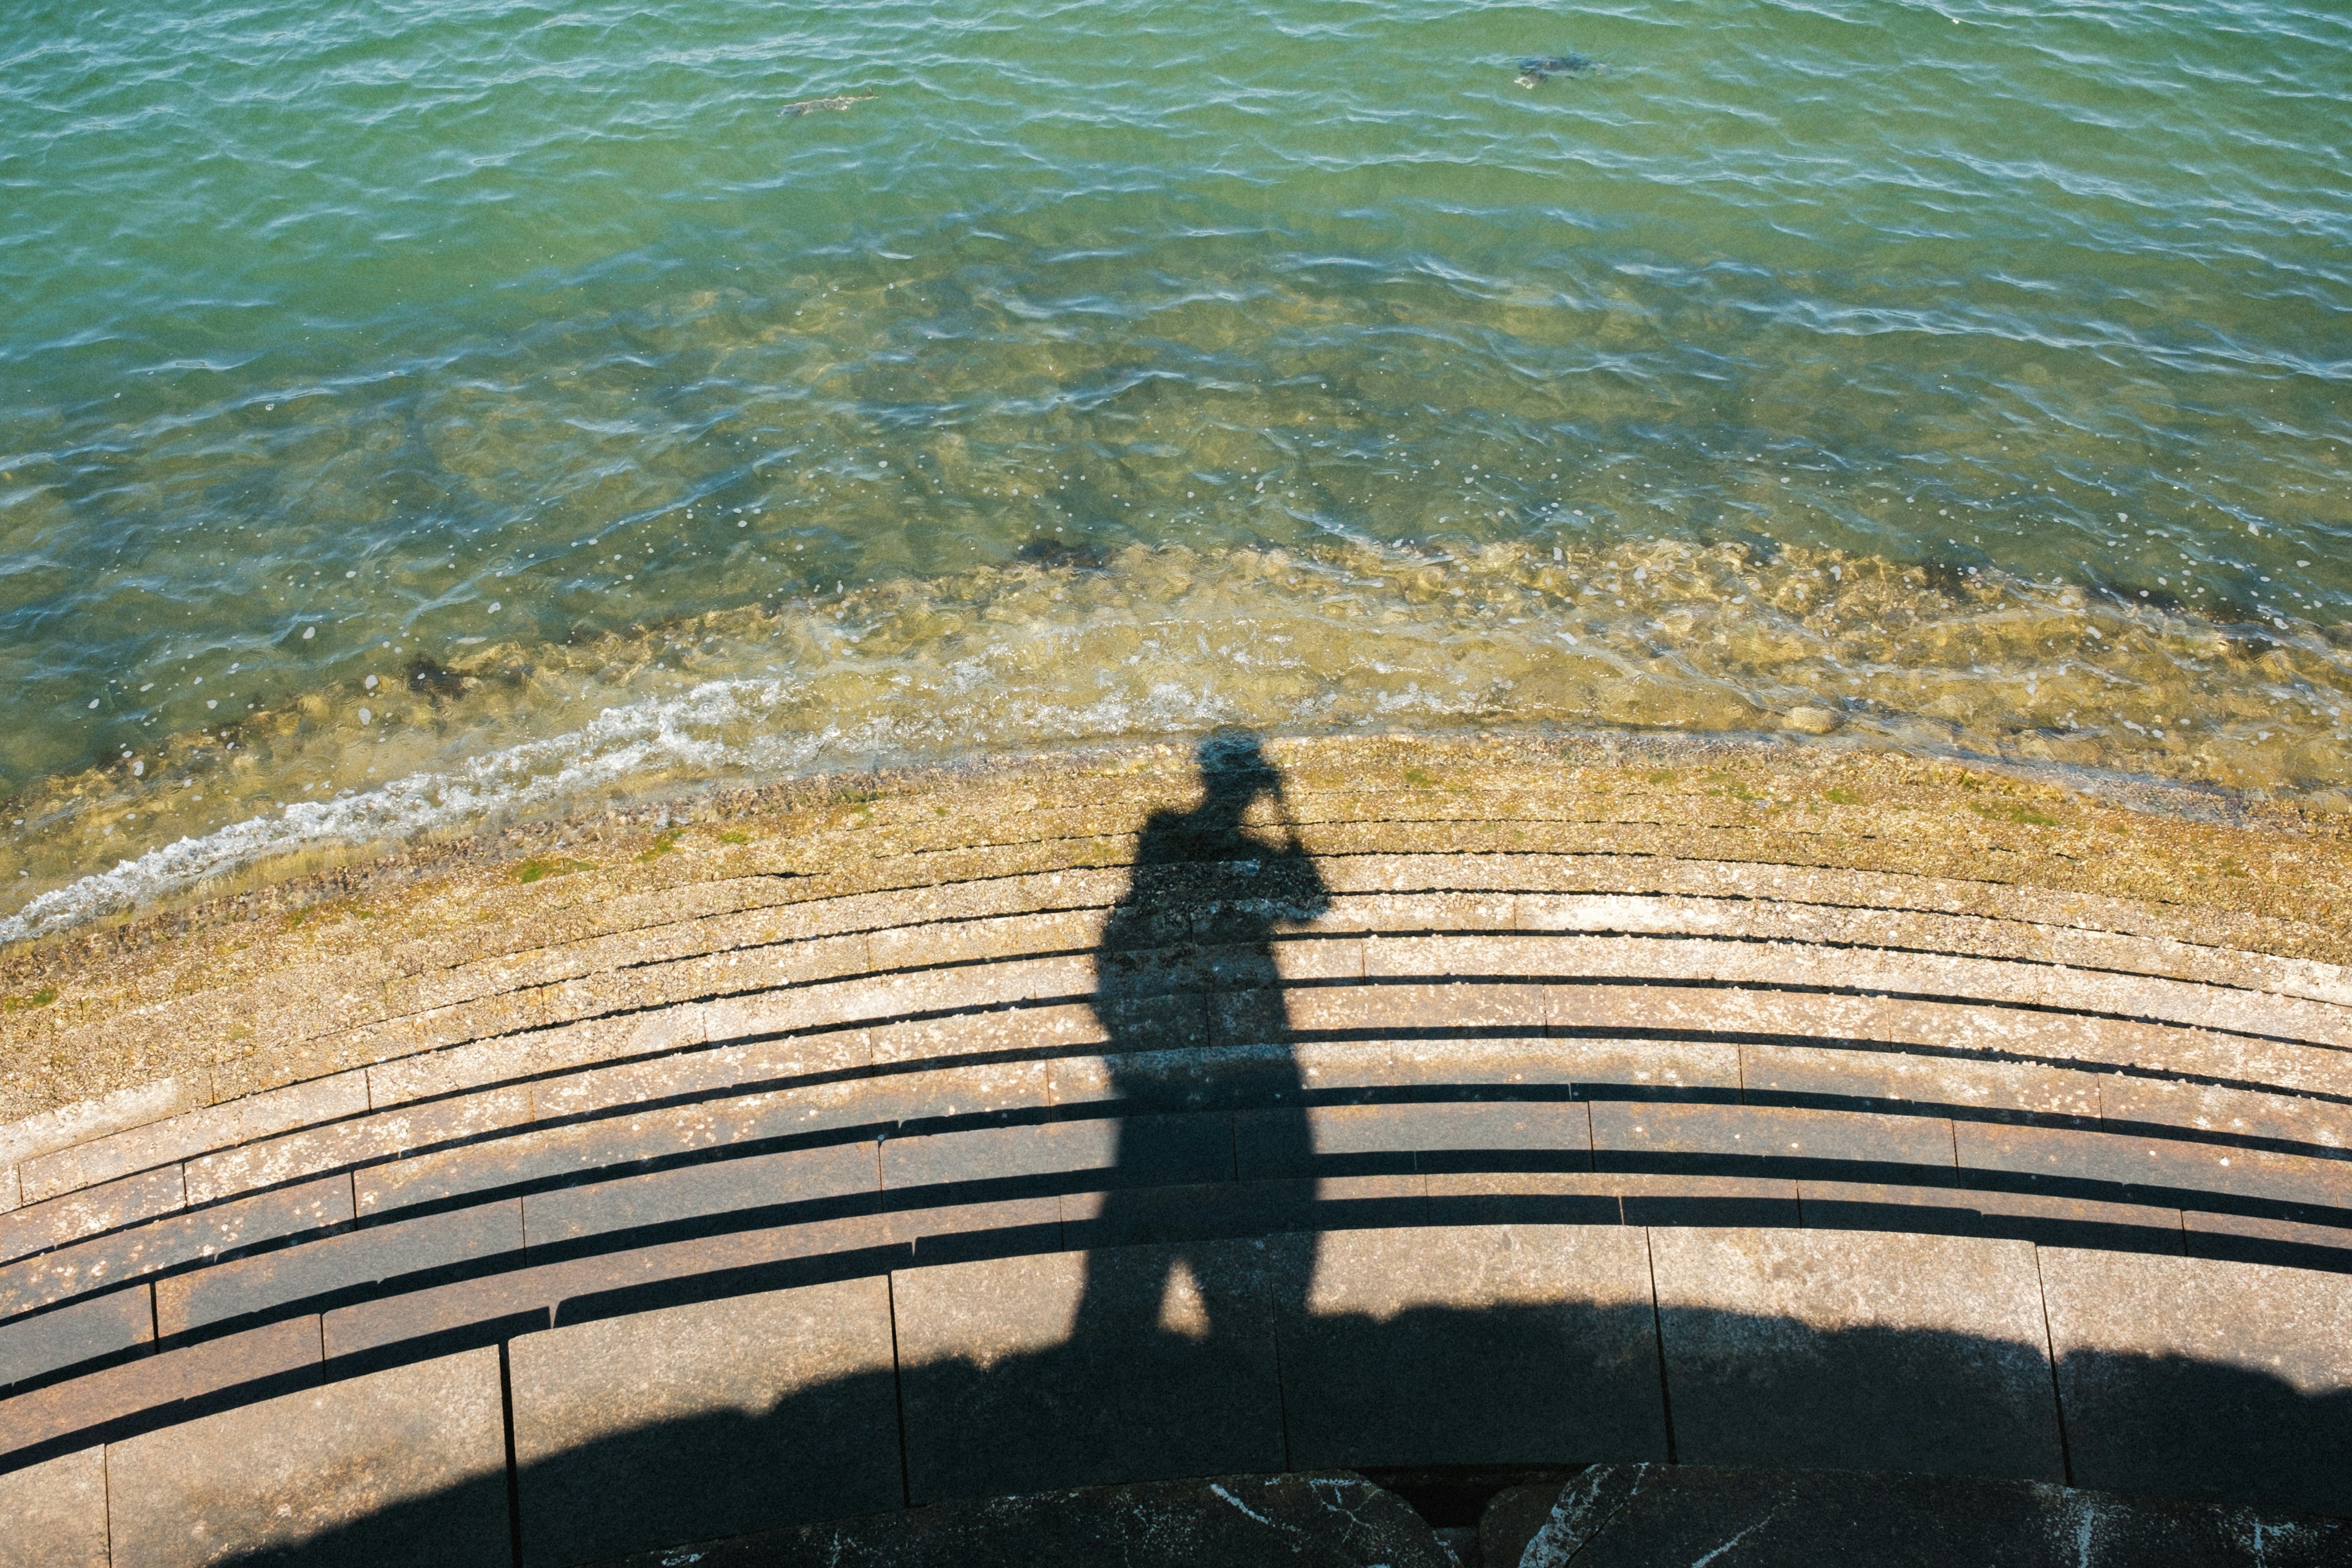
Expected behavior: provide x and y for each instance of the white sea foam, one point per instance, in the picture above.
(617, 744)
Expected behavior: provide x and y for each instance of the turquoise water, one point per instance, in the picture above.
(411, 412)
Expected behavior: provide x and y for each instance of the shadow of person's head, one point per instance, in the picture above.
(1234, 769)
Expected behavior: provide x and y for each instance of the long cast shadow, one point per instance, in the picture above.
(1208, 892)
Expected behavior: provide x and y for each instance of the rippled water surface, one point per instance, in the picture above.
(418, 410)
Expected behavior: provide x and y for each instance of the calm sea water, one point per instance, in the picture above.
(415, 411)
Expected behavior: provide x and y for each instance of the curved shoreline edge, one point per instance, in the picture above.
(1696, 1102)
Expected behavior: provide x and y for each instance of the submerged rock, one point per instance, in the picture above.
(819, 105)
(1542, 69)
(1056, 552)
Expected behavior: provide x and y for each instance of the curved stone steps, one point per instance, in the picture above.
(734, 1107)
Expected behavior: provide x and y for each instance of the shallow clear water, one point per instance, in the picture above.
(1965, 374)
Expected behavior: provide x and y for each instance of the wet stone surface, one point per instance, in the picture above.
(1331, 1520)
(1650, 1516)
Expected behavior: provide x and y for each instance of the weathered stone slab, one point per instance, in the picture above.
(56, 1513)
(521, 1300)
(86, 1403)
(1854, 1075)
(1878, 1075)
(1734, 962)
(1238, 1018)
(1659, 1068)
(1064, 1368)
(1923, 1352)
(1524, 1198)
(403, 1131)
(2236, 1113)
(401, 1467)
(1026, 1156)
(1668, 1199)
(874, 998)
(905, 1100)
(108, 1325)
(710, 1419)
(37, 1226)
(1221, 1077)
(2251, 1240)
(581, 1149)
(1608, 1197)
(1995, 1089)
(1122, 1023)
(2044, 1218)
(1773, 1141)
(1481, 1344)
(2196, 1377)
(1623, 1516)
(1152, 1215)
(832, 1179)
(1211, 1211)
(412, 1249)
(917, 946)
(88, 1120)
(1323, 1521)
(2137, 1166)
(194, 1132)
(175, 1239)
(955, 1232)
(716, 1069)
(1415, 914)
(483, 1063)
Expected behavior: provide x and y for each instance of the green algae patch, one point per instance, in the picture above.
(25, 1003)
(536, 869)
(2023, 816)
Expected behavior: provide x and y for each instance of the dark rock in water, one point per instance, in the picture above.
(435, 679)
(1550, 66)
(1044, 551)
(1649, 1516)
(1332, 1520)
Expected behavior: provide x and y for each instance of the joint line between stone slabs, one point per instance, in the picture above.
(898, 1387)
(1658, 1331)
(2050, 1349)
(514, 1474)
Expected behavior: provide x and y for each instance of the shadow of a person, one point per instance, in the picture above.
(1208, 892)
